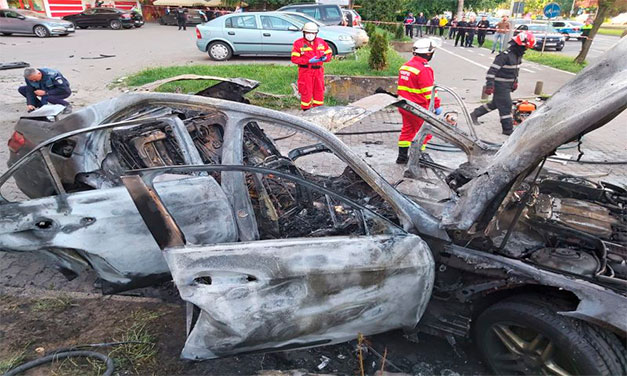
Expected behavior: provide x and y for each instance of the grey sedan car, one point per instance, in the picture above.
(18, 21)
(261, 33)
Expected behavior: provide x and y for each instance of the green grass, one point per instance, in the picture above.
(55, 304)
(615, 32)
(12, 361)
(274, 79)
(137, 356)
(551, 59)
(391, 36)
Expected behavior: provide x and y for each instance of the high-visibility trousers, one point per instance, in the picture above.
(311, 87)
(411, 126)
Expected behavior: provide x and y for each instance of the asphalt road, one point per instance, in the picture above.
(600, 44)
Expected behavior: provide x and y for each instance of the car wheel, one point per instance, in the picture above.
(64, 35)
(41, 31)
(566, 36)
(161, 21)
(526, 336)
(559, 48)
(7, 34)
(115, 24)
(219, 51)
(82, 27)
(333, 48)
(138, 26)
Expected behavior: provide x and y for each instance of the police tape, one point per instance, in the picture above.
(454, 27)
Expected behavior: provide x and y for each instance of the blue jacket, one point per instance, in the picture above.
(50, 80)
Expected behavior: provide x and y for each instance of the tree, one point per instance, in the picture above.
(380, 10)
(607, 8)
(460, 9)
(378, 59)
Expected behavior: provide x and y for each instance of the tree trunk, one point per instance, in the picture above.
(460, 9)
(602, 12)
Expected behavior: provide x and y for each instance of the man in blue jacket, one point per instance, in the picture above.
(43, 86)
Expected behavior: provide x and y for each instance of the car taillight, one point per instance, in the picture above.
(198, 35)
(126, 16)
(16, 142)
(576, 29)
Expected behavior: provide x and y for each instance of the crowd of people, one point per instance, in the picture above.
(463, 30)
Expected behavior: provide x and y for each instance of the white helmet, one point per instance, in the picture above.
(425, 46)
(310, 27)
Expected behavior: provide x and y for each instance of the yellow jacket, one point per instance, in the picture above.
(443, 21)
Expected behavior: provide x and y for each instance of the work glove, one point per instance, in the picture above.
(489, 90)
(515, 86)
(314, 60)
(438, 111)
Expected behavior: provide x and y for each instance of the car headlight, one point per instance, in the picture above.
(345, 37)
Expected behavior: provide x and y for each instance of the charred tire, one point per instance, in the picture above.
(219, 51)
(41, 31)
(525, 335)
(115, 24)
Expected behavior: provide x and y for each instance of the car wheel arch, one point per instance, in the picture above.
(209, 43)
(45, 27)
(333, 47)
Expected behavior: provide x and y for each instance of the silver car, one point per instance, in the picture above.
(19, 21)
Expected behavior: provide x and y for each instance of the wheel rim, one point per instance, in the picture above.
(115, 24)
(219, 51)
(40, 31)
(512, 349)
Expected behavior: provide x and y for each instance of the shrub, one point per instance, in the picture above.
(370, 29)
(378, 59)
(400, 32)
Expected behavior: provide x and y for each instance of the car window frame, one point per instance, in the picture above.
(279, 18)
(327, 16)
(231, 18)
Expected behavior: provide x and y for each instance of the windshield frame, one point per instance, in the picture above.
(30, 13)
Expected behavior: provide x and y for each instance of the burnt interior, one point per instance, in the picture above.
(283, 208)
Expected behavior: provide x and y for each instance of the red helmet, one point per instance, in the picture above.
(525, 38)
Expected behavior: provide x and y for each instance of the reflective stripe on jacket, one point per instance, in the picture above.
(415, 82)
(303, 51)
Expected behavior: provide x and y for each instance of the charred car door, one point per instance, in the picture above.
(317, 269)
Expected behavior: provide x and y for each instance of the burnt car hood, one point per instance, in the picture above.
(594, 97)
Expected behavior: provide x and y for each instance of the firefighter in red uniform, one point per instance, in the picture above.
(415, 83)
(310, 52)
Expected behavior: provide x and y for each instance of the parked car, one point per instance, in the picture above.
(277, 245)
(260, 33)
(194, 17)
(327, 14)
(19, 21)
(359, 35)
(540, 31)
(106, 17)
(569, 29)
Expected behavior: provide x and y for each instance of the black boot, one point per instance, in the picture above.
(474, 118)
(507, 131)
(402, 155)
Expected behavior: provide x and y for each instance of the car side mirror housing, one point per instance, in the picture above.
(293, 28)
(21, 17)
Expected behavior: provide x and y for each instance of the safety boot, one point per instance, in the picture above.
(474, 118)
(402, 155)
(508, 131)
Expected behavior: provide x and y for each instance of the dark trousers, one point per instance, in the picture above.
(481, 38)
(441, 30)
(419, 31)
(54, 96)
(451, 33)
(409, 30)
(182, 23)
(461, 34)
(502, 101)
(470, 37)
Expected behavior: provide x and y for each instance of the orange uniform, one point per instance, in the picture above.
(415, 83)
(310, 76)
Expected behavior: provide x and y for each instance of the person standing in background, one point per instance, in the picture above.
(461, 32)
(435, 22)
(181, 17)
(409, 22)
(585, 31)
(420, 21)
(452, 28)
(482, 29)
(470, 32)
(443, 22)
(502, 28)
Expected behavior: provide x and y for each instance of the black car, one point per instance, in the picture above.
(106, 17)
(329, 15)
(194, 17)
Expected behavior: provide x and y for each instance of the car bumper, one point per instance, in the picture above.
(202, 44)
(138, 23)
(345, 47)
(58, 30)
(574, 34)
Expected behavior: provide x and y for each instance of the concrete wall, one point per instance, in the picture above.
(352, 88)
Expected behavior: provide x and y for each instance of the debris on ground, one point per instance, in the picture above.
(101, 56)
(14, 65)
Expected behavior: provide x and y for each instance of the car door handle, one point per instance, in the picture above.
(231, 33)
(266, 34)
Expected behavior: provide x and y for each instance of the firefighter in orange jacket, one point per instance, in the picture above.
(310, 52)
(415, 83)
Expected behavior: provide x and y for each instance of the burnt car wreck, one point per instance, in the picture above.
(276, 244)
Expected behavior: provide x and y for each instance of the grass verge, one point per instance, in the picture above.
(274, 79)
(551, 59)
(391, 36)
(12, 361)
(54, 304)
(614, 32)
